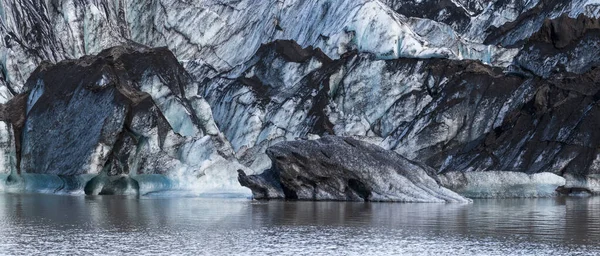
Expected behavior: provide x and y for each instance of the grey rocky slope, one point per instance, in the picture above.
(336, 168)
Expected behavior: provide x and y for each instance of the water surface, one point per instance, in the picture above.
(49, 224)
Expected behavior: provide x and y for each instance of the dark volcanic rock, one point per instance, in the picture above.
(337, 168)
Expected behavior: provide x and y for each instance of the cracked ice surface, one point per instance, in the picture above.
(203, 34)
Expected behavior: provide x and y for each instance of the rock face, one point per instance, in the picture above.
(337, 168)
(123, 113)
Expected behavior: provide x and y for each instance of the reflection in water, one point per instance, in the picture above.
(46, 224)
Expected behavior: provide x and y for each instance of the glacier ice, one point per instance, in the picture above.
(206, 31)
(8, 158)
(502, 184)
(133, 133)
(396, 73)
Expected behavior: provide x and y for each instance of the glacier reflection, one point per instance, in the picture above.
(38, 223)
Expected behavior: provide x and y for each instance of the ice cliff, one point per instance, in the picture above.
(114, 120)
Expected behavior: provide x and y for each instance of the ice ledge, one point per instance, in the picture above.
(500, 184)
(152, 185)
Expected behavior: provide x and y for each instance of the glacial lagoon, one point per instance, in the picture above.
(41, 224)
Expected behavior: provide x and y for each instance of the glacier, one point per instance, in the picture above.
(495, 91)
(71, 29)
(109, 125)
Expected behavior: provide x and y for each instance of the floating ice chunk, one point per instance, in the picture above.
(499, 184)
(338, 168)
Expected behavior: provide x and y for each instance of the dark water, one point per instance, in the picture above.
(49, 224)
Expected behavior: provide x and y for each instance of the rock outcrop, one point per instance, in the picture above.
(337, 168)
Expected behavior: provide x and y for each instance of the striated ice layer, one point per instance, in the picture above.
(206, 31)
(210, 185)
(63, 30)
(471, 18)
(210, 36)
(440, 35)
(499, 184)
